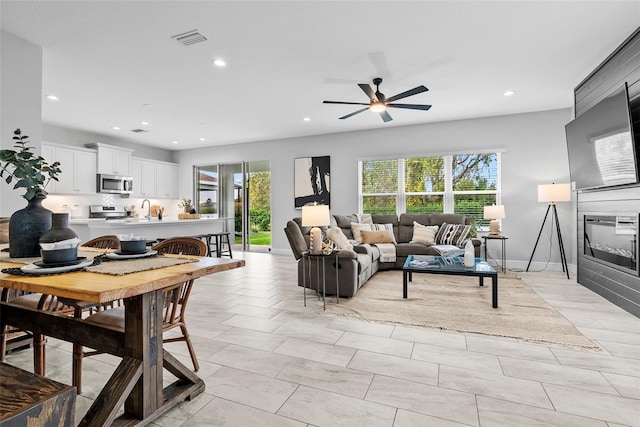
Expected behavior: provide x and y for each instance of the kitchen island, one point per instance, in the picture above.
(89, 228)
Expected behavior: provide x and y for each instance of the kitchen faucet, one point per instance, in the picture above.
(148, 216)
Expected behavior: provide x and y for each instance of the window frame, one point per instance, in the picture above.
(448, 195)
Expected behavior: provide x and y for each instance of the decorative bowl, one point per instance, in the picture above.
(133, 246)
(57, 256)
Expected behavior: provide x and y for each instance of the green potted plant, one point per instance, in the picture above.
(32, 173)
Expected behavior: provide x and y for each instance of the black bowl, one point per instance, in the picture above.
(133, 246)
(57, 256)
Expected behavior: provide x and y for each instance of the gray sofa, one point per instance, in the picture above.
(355, 267)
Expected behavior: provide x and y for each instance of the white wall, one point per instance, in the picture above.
(20, 104)
(534, 153)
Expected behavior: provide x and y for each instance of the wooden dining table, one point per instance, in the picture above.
(137, 382)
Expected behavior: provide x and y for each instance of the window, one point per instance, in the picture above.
(459, 183)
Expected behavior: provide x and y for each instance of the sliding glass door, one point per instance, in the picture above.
(240, 193)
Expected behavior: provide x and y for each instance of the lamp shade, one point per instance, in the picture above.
(552, 193)
(315, 216)
(494, 212)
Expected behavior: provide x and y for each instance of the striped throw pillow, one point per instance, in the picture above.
(384, 227)
(452, 234)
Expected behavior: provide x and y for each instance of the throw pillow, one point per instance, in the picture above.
(357, 229)
(386, 227)
(424, 233)
(336, 235)
(452, 234)
(373, 237)
(364, 218)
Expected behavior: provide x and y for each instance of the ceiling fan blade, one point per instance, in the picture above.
(354, 113)
(367, 89)
(341, 102)
(424, 107)
(414, 91)
(385, 116)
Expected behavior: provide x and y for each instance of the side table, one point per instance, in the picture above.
(319, 261)
(504, 239)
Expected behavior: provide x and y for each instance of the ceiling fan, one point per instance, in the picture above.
(378, 103)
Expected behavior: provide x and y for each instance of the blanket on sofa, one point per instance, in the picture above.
(387, 252)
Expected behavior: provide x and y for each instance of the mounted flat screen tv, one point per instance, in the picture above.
(600, 143)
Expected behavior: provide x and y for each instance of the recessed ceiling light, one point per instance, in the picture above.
(510, 93)
(115, 128)
(175, 142)
(202, 139)
(307, 119)
(144, 123)
(219, 63)
(53, 97)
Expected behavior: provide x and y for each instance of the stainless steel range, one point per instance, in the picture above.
(107, 212)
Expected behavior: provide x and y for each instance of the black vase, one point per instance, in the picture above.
(59, 229)
(26, 226)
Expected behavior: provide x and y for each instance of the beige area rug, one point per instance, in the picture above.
(457, 303)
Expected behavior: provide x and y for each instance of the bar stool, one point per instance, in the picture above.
(207, 240)
(221, 238)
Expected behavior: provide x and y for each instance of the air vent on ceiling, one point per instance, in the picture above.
(189, 38)
(139, 130)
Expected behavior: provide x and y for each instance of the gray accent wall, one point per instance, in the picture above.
(534, 152)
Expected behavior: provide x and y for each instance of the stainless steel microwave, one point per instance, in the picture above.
(114, 184)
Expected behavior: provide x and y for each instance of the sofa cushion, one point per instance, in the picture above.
(403, 250)
(449, 218)
(378, 236)
(452, 234)
(424, 233)
(336, 235)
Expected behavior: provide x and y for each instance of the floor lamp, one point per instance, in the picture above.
(552, 194)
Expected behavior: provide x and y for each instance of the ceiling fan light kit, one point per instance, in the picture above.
(379, 104)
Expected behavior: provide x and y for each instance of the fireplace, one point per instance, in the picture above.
(613, 240)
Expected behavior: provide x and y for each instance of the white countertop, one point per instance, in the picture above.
(101, 222)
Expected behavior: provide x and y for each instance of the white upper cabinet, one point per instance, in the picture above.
(152, 178)
(167, 180)
(78, 168)
(113, 160)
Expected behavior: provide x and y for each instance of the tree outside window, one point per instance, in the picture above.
(461, 183)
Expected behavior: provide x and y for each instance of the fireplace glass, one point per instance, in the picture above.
(613, 239)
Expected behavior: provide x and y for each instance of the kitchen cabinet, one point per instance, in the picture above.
(78, 167)
(113, 160)
(144, 178)
(167, 180)
(152, 178)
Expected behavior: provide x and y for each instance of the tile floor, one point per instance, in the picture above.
(269, 361)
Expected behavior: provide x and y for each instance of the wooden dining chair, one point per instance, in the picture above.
(173, 311)
(108, 241)
(35, 301)
(84, 308)
(39, 301)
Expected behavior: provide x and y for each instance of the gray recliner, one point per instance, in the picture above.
(350, 271)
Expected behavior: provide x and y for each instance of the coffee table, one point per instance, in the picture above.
(449, 265)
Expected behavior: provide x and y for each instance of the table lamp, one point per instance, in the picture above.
(315, 216)
(494, 213)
